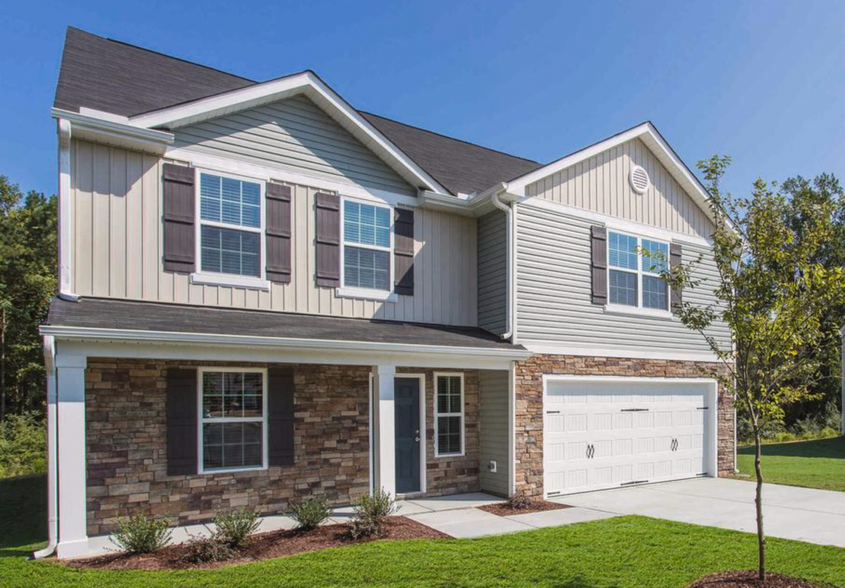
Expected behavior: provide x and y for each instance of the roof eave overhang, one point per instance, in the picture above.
(114, 131)
(310, 85)
(306, 350)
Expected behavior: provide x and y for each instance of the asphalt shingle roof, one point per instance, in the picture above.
(116, 77)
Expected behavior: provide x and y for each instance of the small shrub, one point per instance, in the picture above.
(309, 513)
(140, 534)
(370, 511)
(519, 501)
(207, 549)
(234, 526)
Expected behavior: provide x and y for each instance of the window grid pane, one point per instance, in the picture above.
(449, 414)
(655, 293)
(653, 265)
(366, 268)
(226, 200)
(227, 251)
(623, 288)
(623, 251)
(365, 224)
(449, 434)
(237, 441)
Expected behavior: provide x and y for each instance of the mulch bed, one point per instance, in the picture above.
(748, 579)
(503, 510)
(262, 546)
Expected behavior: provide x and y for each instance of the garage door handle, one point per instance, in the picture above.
(552, 412)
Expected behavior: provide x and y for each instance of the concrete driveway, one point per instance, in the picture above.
(804, 514)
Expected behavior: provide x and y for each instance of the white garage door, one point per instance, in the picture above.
(609, 433)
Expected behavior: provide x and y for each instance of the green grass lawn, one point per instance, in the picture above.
(622, 552)
(812, 464)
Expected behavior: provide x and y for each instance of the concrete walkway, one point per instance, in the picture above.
(458, 516)
(804, 514)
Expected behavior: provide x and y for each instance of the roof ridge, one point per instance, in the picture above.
(464, 141)
(154, 52)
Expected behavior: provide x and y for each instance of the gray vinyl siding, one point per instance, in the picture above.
(600, 184)
(117, 250)
(553, 285)
(293, 135)
(492, 272)
(495, 431)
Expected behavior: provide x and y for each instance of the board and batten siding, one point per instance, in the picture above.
(492, 272)
(292, 135)
(495, 431)
(600, 184)
(117, 250)
(554, 292)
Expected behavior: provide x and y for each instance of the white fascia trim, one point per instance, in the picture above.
(65, 207)
(303, 83)
(617, 224)
(106, 126)
(243, 340)
(552, 348)
(260, 172)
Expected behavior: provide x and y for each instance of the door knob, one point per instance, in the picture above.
(417, 439)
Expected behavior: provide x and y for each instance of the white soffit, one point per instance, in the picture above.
(310, 85)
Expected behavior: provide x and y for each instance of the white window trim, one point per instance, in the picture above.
(259, 282)
(438, 414)
(639, 309)
(344, 291)
(201, 420)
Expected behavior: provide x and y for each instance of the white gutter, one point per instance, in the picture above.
(508, 210)
(82, 333)
(52, 456)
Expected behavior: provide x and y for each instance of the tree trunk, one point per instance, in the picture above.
(758, 501)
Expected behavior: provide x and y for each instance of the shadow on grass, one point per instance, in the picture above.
(23, 513)
(822, 448)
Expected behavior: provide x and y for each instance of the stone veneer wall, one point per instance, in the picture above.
(126, 444)
(452, 475)
(529, 404)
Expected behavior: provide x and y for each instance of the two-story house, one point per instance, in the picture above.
(266, 294)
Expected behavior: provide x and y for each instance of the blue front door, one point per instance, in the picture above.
(407, 414)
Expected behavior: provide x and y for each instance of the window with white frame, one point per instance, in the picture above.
(230, 226)
(233, 416)
(449, 414)
(634, 279)
(366, 245)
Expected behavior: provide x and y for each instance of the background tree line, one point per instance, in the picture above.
(28, 262)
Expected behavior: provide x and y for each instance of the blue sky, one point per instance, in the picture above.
(761, 81)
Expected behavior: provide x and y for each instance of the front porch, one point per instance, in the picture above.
(431, 421)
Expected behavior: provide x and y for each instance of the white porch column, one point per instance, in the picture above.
(70, 380)
(384, 395)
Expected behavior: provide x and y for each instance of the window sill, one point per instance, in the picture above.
(233, 281)
(212, 472)
(448, 455)
(366, 294)
(636, 311)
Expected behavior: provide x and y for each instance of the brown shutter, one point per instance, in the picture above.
(598, 239)
(280, 392)
(179, 244)
(278, 233)
(675, 256)
(403, 251)
(181, 421)
(328, 239)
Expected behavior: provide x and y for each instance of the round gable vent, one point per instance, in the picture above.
(639, 179)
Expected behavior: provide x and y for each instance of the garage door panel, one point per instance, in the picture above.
(605, 434)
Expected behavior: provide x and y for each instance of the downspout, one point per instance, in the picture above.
(52, 455)
(508, 334)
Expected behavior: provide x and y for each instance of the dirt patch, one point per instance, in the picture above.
(748, 579)
(504, 510)
(262, 546)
